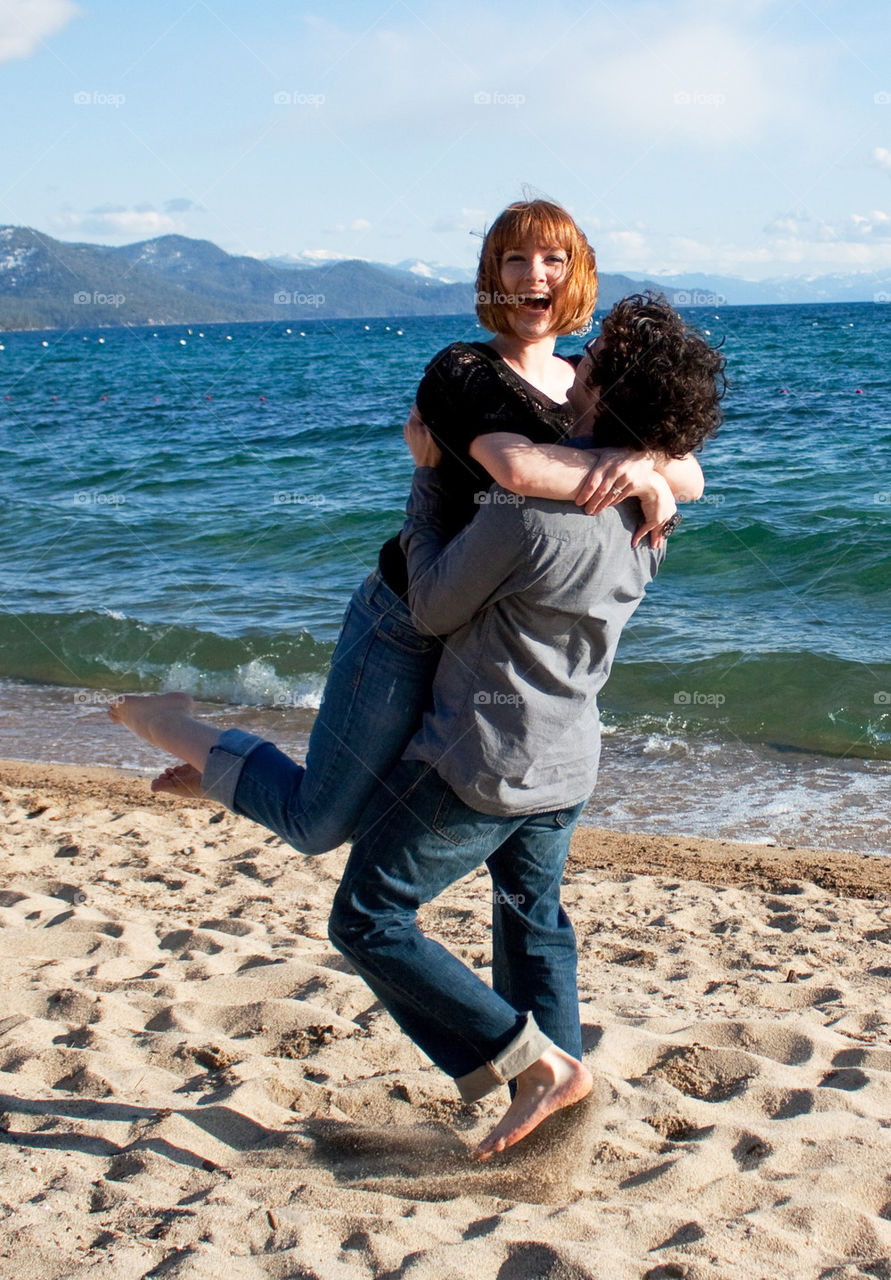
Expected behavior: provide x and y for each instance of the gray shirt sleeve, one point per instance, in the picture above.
(450, 581)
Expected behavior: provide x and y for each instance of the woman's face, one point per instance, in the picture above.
(532, 275)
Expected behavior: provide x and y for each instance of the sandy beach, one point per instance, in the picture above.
(195, 1085)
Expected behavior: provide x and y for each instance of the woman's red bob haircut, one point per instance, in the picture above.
(549, 224)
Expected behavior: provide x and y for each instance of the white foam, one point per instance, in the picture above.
(252, 684)
(737, 791)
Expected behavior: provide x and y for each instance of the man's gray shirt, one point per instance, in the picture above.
(532, 596)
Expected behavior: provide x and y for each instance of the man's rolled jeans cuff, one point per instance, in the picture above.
(525, 1048)
(225, 761)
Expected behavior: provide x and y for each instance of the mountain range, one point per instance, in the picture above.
(48, 283)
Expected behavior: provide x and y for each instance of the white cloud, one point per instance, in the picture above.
(786, 224)
(792, 245)
(693, 70)
(882, 157)
(318, 255)
(25, 24)
(181, 204)
(463, 220)
(874, 225)
(800, 225)
(704, 111)
(803, 228)
(699, 80)
(630, 244)
(306, 257)
(357, 224)
(322, 255)
(117, 224)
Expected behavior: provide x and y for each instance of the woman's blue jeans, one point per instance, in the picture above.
(377, 689)
(416, 838)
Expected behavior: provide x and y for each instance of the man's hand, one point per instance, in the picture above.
(424, 449)
(658, 505)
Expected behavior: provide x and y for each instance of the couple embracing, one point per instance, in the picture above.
(459, 723)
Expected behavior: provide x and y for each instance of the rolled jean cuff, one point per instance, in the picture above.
(225, 761)
(525, 1048)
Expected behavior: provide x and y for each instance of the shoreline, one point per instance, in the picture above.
(715, 862)
(665, 782)
(673, 785)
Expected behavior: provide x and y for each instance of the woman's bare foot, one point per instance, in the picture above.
(144, 714)
(179, 780)
(553, 1082)
(166, 721)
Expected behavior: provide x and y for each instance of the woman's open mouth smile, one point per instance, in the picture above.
(537, 302)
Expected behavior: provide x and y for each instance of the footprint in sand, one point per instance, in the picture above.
(777, 1043)
(711, 1075)
(751, 1151)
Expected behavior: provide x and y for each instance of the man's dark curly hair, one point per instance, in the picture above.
(660, 381)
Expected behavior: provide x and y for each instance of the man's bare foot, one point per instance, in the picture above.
(144, 714)
(179, 780)
(553, 1082)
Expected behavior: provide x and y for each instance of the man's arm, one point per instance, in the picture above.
(450, 581)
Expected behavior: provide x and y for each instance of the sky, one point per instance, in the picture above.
(740, 137)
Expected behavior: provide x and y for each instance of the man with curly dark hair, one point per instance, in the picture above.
(532, 596)
(658, 382)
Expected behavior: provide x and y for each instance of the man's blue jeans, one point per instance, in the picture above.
(416, 838)
(377, 689)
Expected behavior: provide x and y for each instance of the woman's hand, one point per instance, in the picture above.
(617, 474)
(424, 449)
(626, 473)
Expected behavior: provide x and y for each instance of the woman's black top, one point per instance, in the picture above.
(467, 391)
